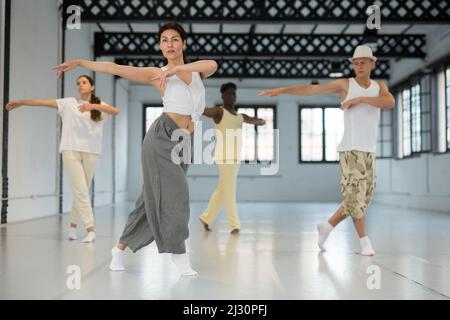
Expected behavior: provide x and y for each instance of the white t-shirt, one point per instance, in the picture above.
(79, 132)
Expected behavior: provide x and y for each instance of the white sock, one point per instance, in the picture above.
(73, 233)
(182, 262)
(90, 237)
(117, 260)
(324, 230)
(366, 247)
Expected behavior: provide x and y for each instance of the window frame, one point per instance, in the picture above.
(380, 134)
(144, 115)
(257, 106)
(323, 107)
(417, 80)
(447, 107)
(429, 112)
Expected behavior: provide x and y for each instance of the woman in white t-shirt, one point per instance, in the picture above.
(81, 142)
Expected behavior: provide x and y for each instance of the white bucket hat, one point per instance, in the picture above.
(363, 51)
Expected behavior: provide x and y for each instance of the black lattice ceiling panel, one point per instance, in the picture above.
(399, 46)
(280, 69)
(287, 11)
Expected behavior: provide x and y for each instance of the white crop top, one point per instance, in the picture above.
(182, 98)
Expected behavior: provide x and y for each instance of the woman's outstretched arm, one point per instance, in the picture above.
(100, 107)
(253, 120)
(144, 75)
(50, 103)
(333, 87)
(206, 68)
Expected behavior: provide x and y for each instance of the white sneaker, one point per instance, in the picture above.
(366, 247)
(324, 230)
(189, 273)
(90, 237)
(183, 264)
(116, 260)
(73, 233)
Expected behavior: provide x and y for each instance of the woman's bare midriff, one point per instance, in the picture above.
(183, 122)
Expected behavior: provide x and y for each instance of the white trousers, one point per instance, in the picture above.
(80, 167)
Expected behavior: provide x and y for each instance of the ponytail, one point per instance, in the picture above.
(95, 114)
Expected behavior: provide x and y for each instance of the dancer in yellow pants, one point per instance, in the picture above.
(228, 125)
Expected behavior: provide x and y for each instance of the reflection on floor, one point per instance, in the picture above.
(274, 257)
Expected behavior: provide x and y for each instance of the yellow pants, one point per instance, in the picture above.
(225, 194)
(80, 167)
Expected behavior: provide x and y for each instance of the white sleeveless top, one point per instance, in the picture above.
(361, 120)
(184, 99)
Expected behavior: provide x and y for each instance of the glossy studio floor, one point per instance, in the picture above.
(274, 257)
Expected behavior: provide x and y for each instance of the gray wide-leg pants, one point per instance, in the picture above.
(162, 211)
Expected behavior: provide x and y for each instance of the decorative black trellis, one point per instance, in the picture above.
(283, 69)
(293, 45)
(286, 11)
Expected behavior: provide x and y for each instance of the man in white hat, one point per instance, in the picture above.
(362, 99)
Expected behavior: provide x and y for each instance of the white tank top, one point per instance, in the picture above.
(360, 121)
(184, 99)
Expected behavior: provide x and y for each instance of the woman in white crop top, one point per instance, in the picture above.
(81, 141)
(161, 213)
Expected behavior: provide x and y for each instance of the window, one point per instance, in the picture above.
(443, 110)
(415, 118)
(447, 101)
(416, 111)
(321, 129)
(385, 137)
(406, 111)
(151, 113)
(258, 142)
(425, 113)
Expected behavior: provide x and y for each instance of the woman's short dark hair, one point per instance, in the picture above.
(226, 86)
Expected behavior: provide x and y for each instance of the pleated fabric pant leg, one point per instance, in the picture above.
(161, 212)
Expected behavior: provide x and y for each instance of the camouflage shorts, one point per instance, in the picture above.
(358, 181)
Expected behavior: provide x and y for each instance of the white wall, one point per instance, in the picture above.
(422, 181)
(32, 132)
(33, 143)
(2, 30)
(121, 140)
(313, 182)
(79, 45)
(104, 172)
